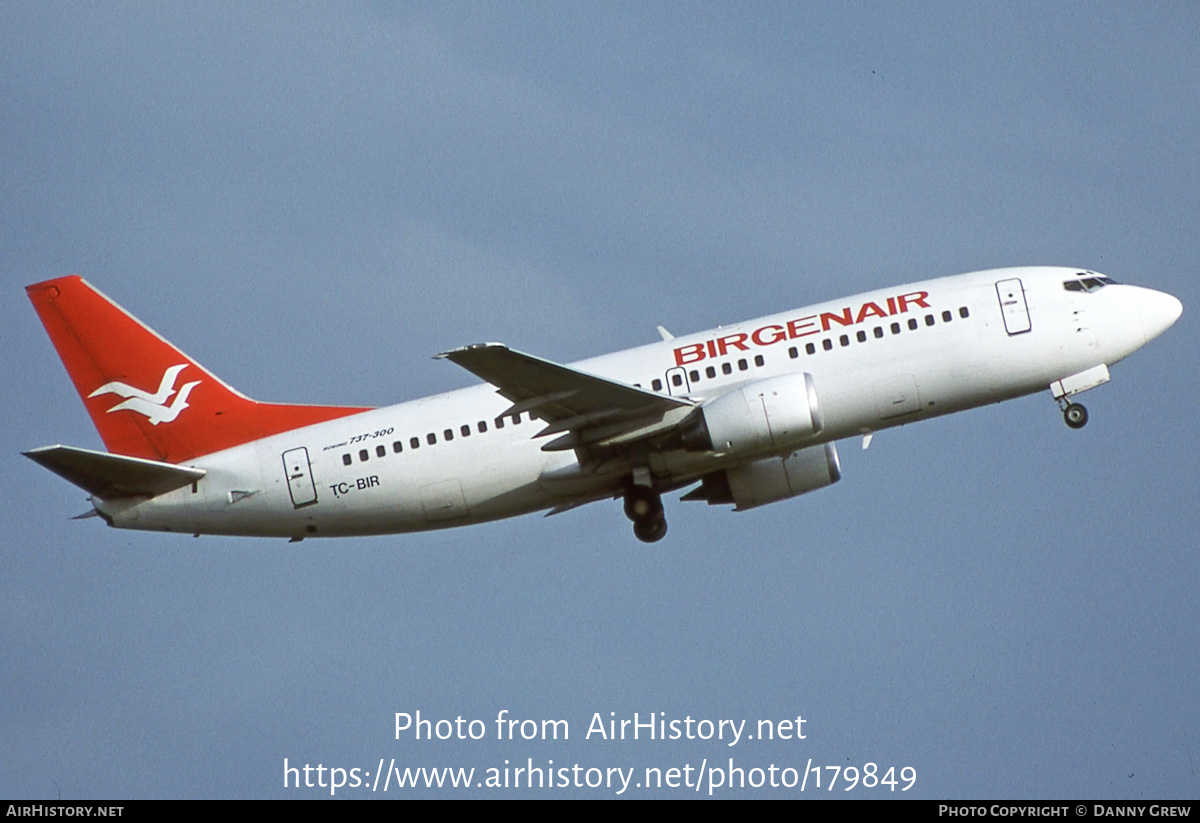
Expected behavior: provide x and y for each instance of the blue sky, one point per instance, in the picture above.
(312, 200)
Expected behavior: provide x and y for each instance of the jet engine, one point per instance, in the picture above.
(774, 413)
(772, 479)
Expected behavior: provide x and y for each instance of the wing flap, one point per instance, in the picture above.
(113, 475)
(566, 398)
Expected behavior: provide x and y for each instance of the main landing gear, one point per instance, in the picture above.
(1075, 415)
(644, 507)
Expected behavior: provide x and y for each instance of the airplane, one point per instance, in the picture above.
(745, 415)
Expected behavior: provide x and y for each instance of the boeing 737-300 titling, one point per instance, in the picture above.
(744, 414)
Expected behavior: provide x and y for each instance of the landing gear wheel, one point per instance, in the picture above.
(642, 504)
(1075, 415)
(650, 531)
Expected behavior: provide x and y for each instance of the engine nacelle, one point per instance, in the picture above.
(772, 479)
(770, 414)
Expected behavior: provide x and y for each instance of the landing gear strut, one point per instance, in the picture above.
(1075, 415)
(644, 507)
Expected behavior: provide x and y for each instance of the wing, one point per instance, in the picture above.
(587, 410)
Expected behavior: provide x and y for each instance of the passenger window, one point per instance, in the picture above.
(827, 344)
(912, 324)
(793, 352)
(895, 328)
(726, 368)
(482, 426)
(862, 337)
(929, 321)
(710, 372)
(465, 429)
(431, 438)
(499, 422)
(448, 434)
(657, 384)
(947, 317)
(364, 456)
(963, 313)
(878, 332)
(516, 418)
(844, 340)
(758, 360)
(347, 460)
(414, 443)
(811, 348)
(743, 365)
(695, 375)
(380, 451)
(676, 380)
(397, 447)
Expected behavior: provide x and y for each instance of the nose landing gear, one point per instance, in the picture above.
(644, 507)
(1075, 415)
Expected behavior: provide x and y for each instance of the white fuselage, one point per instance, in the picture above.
(877, 360)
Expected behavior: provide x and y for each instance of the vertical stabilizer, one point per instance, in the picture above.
(146, 398)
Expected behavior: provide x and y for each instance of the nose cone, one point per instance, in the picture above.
(1158, 311)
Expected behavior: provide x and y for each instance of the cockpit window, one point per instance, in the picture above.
(1089, 284)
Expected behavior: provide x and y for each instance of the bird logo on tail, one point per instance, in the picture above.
(153, 406)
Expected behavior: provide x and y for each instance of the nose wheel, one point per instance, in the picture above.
(644, 507)
(1075, 415)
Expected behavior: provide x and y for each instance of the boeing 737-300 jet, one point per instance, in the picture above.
(744, 414)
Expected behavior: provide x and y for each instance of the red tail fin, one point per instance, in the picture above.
(147, 398)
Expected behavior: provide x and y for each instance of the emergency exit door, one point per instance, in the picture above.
(677, 382)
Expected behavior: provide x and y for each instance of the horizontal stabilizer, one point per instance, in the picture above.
(112, 475)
